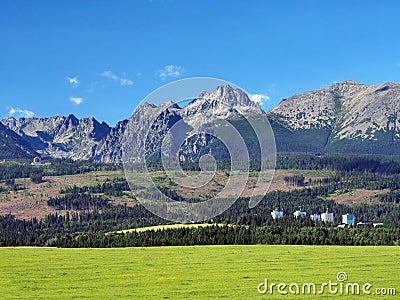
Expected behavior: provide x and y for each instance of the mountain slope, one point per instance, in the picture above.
(131, 133)
(12, 146)
(60, 136)
(224, 102)
(344, 117)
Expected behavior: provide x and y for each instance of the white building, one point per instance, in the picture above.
(315, 217)
(327, 217)
(276, 214)
(299, 213)
(348, 219)
(37, 161)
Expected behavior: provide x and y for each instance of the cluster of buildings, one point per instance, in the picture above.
(324, 217)
(348, 220)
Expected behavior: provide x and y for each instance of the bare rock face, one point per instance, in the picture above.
(146, 126)
(60, 136)
(316, 109)
(109, 148)
(150, 123)
(224, 102)
(344, 117)
(374, 110)
(88, 139)
(350, 110)
(12, 146)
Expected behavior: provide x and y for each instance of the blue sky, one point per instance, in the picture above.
(101, 58)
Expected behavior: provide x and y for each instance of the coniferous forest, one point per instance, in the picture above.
(89, 218)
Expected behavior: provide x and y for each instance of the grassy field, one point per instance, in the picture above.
(168, 226)
(32, 201)
(202, 272)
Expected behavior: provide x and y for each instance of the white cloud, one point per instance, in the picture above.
(76, 100)
(21, 113)
(73, 81)
(170, 71)
(259, 98)
(122, 81)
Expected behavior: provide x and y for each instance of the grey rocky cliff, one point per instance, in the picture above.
(60, 136)
(350, 109)
(150, 123)
(323, 120)
(12, 146)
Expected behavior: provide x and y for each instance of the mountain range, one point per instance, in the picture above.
(346, 117)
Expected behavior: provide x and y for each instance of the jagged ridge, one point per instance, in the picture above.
(344, 117)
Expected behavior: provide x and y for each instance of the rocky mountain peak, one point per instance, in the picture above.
(71, 117)
(228, 95)
(60, 136)
(12, 146)
(351, 82)
(225, 102)
(348, 110)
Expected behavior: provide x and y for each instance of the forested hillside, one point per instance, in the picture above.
(85, 213)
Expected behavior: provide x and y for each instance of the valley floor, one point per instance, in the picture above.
(31, 200)
(198, 272)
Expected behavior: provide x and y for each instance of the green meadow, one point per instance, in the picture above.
(198, 272)
(168, 226)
